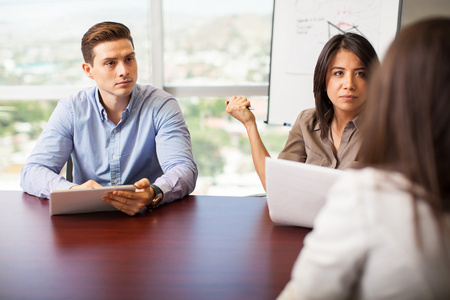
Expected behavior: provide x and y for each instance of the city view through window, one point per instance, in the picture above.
(204, 44)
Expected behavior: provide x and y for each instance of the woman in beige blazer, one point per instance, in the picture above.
(327, 135)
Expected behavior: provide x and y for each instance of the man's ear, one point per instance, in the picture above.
(87, 70)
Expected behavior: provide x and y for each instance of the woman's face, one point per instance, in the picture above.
(346, 83)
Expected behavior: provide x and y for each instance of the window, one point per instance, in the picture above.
(221, 147)
(217, 42)
(211, 50)
(40, 62)
(41, 39)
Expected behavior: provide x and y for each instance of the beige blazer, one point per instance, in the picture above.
(304, 143)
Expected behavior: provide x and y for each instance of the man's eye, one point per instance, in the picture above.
(110, 63)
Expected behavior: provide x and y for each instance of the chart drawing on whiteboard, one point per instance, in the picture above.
(315, 22)
(339, 29)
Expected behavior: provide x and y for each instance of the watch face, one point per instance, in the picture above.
(157, 197)
(157, 201)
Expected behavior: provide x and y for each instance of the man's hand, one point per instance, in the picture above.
(131, 202)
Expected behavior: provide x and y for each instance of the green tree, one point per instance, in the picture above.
(31, 112)
(207, 141)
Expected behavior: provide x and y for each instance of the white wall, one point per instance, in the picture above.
(414, 10)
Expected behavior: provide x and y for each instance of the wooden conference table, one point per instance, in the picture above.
(199, 247)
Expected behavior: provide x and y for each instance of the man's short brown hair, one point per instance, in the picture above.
(100, 33)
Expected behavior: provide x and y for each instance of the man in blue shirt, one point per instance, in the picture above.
(117, 132)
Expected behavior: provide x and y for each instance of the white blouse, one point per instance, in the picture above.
(364, 245)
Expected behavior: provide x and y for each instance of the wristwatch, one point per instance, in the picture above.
(157, 197)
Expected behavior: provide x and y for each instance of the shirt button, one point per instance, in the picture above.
(115, 181)
(114, 156)
(115, 131)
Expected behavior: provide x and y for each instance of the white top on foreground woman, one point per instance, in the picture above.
(384, 232)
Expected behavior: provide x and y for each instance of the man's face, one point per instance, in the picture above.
(114, 69)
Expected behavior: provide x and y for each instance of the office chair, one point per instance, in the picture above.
(69, 169)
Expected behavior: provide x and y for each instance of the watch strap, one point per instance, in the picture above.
(157, 197)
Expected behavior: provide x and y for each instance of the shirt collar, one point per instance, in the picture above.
(100, 107)
(134, 95)
(316, 126)
(356, 122)
(127, 110)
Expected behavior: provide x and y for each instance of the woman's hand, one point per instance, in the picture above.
(239, 108)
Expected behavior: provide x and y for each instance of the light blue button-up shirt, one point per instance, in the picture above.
(150, 141)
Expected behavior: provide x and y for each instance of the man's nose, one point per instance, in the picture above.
(122, 69)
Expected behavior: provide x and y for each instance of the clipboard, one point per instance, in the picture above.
(76, 201)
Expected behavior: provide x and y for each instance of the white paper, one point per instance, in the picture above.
(297, 191)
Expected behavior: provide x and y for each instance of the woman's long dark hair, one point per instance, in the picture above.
(407, 113)
(355, 43)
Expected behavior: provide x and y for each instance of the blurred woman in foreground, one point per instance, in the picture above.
(385, 229)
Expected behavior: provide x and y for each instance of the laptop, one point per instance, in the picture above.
(77, 201)
(297, 191)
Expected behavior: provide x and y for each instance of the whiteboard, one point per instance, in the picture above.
(301, 28)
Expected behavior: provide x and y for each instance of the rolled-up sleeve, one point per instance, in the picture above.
(40, 173)
(174, 151)
(295, 145)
